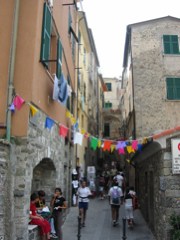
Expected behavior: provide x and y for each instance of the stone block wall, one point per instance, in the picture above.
(18, 161)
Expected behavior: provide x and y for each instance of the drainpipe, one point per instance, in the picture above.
(78, 73)
(10, 89)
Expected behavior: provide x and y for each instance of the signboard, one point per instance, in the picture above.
(175, 144)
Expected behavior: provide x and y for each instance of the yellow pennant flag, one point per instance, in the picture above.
(112, 147)
(33, 110)
(73, 120)
(83, 131)
(130, 149)
(99, 143)
(68, 114)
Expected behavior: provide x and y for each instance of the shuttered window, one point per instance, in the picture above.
(46, 35)
(171, 44)
(59, 59)
(108, 105)
(173, 88)
(109, 87)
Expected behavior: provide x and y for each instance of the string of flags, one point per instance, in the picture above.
(122, 147)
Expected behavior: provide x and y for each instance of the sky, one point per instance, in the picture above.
(108, 20)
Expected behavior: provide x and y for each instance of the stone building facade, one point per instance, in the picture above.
(40, 161)
(151, 100)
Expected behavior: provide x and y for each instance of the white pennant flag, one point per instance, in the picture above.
(78, 137)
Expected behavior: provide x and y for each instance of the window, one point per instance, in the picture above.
(171, 44)
(51, 46)
(173, 88)
(109, 87)
(108, 105)
(46, 35)
(106, 130)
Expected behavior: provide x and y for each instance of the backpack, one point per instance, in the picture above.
(115, 196)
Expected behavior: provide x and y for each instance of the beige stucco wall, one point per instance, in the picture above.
(31, 80)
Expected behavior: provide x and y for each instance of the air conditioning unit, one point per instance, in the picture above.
(50, 2)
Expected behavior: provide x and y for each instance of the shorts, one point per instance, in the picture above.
(115, 206)
(83, 205)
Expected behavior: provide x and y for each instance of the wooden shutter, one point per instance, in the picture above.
(46, 35)
(170, 92)
(171, 45)
(59, 59)
(177, 88)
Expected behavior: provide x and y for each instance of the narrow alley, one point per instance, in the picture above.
(99, 225)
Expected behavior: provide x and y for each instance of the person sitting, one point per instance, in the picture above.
(37, 219)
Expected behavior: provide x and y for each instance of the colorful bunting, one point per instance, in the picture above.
(33, 110)
(12, 108)
(121, 151)
(134, 144)
(18, 102)
(107, 145)
(63, 131)
(78, 137)
(130, 149)
(94, 143)
(49, 123)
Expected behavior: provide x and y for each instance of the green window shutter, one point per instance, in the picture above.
(169, 82)
(59, 59)
(46, 35)
(171, 44)
(177, 88)
(173, 88)
(69, 21)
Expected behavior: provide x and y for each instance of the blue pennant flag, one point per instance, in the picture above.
(49, 123)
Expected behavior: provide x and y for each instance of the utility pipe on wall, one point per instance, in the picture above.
(11, 68)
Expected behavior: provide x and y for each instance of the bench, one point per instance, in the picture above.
(33, 232)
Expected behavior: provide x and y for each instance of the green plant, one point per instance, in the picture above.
(175, 223)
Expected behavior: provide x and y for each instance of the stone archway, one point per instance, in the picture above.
(44, 177)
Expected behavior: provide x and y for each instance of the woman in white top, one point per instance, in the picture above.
(83, 194)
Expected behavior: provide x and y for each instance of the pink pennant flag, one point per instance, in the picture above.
(134, 144)
(121, 151)
(18, 102)
(63, 131)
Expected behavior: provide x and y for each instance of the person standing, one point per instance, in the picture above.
(115, 194)
(83, 194)
(58, 203)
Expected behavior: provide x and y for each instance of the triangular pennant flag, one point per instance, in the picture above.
(68, 114)
(86, 135)
(121, 151)
(134, 144)
(73, 120)
(78, 137)
(139, 147)
(12, 108)
(94, 143)
(63, 131)
(107, 145)
(83, 131)
(130, 149)
(113, 147)
(18, 102)
(49, 123)
(99, 143)
(33, 110)
(76, 125)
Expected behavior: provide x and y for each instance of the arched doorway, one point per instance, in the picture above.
(44, 177)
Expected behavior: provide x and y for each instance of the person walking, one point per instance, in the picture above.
(115, 194)
(83, 194)
(129, 206)
(58, 203)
